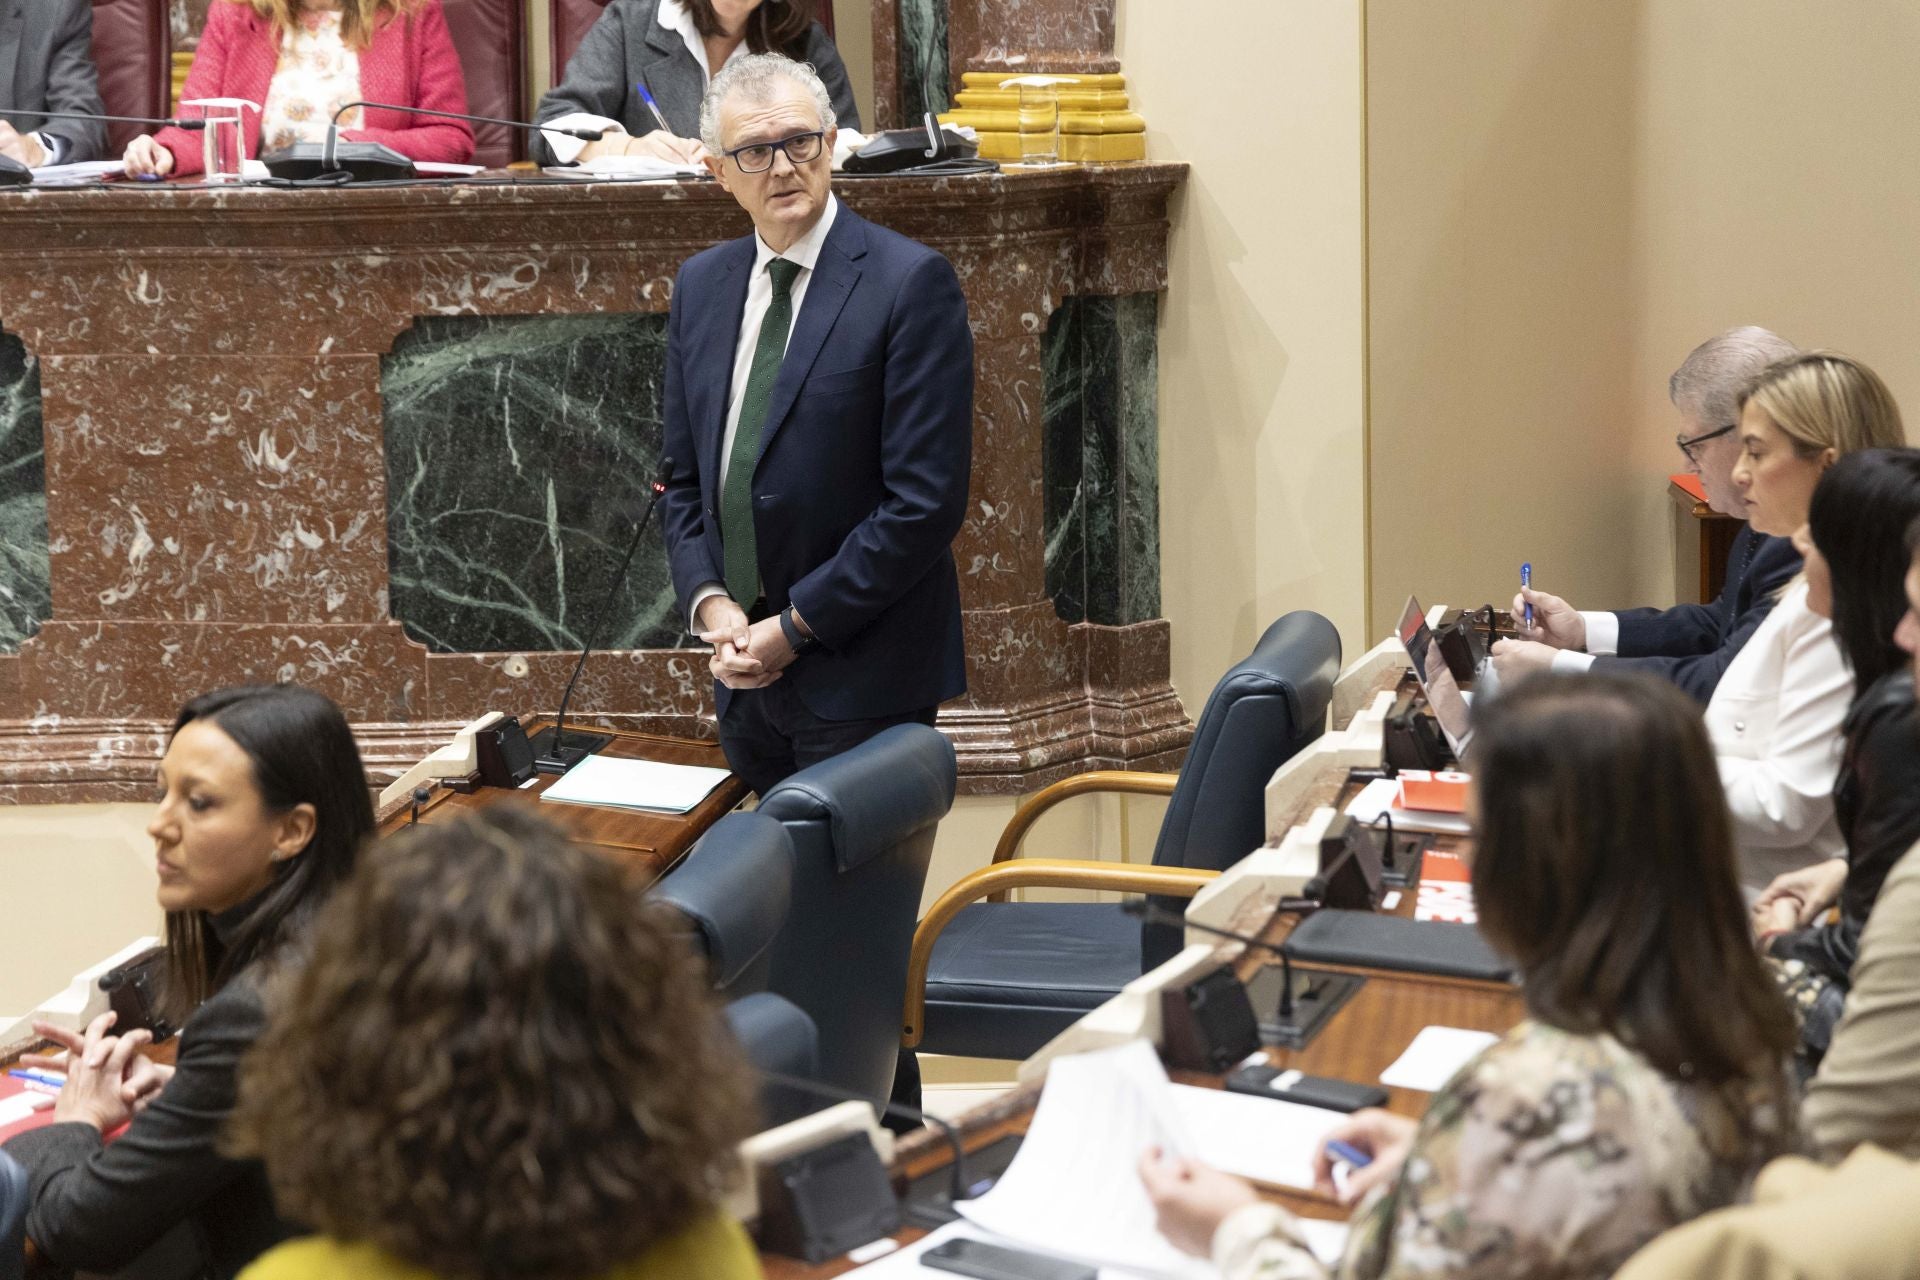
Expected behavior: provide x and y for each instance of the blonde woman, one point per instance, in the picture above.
(301, 60)
(1775, 716)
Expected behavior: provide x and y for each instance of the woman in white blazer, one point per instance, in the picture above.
(1775, 716)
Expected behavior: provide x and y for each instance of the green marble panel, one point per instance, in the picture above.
(1101, 459)
(924, 73)
(26, 591)
(518, 452)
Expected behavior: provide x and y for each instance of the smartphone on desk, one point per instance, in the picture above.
(1288, 1085)
(996, 1262)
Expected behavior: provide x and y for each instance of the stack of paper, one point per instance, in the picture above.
(625, 169)
(636, 784)
(1074, 1189)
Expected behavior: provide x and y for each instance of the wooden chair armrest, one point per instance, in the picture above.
(1049, 873)
(1126, 781)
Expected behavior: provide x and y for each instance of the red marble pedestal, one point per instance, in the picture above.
(210, 372)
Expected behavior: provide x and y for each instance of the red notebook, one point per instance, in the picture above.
(1446, 890)
(1691, 483)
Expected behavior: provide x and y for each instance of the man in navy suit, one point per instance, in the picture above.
(1690, 644)
(819, 412)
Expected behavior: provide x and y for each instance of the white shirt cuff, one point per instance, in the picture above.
(701, 594)
(1603, 632)
(1570, 662)
(50, 145)
(565, 149)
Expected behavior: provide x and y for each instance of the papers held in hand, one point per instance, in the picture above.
(635, 784)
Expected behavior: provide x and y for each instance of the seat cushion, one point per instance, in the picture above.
(1006, 977)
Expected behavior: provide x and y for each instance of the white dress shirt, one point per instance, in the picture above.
(804, 252)
(1603, 638)
(1775, 723)
(672, 16)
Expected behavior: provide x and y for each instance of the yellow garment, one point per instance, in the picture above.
(715, 1248)
(1854, 1222)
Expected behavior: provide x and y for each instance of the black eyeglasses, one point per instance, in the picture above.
(757, 157)
(1689, 443)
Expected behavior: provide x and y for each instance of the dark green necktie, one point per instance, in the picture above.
(736, 497)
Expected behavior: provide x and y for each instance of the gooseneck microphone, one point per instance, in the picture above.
(337, 161)
(958, 1188)
(551, 751)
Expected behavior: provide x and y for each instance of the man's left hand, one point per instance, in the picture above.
(768, 642)
(23, 147)
(1515, 658)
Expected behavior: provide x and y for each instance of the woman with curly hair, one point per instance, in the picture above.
(262, 810)
(501, 1062)
(299, 61)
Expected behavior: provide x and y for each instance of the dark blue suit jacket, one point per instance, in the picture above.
(864, 462)
(1691, 644)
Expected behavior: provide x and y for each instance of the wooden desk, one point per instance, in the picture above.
(647, 843)
(1715, 541)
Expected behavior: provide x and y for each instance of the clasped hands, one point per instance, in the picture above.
(1191, 1199)
(108, 1082)
(1557, 625)
(1796, 899)
(746, 655)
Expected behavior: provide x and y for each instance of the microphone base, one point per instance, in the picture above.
(361, 161)
(1318, 994)
(549, 757)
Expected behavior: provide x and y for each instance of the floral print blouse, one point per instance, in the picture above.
(1550, 1155)
(316, 75)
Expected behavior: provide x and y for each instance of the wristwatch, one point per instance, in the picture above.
(796, 641)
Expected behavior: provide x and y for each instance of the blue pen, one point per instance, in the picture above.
(1349, 1154)
(1526, 584)
(146, 177)
(37, 1077)
(641, 87)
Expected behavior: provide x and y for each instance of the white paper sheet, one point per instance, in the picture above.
(1434, 1056)
(1074, 1188)
(1382, 796)
(77, 174)
(635, 784)
(624, 168)
(445, 169)
(1268, 1140)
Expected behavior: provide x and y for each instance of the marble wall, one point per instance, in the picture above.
(1101, 459)
(925, 80)
(518, 450)
(26, 597)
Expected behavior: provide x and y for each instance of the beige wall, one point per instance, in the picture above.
(1262, 352)
(1564, 197)
(76, 885)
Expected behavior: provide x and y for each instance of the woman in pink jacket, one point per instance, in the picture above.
(300, 60)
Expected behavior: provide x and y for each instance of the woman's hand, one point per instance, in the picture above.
(98, 1068)
(147, 157)
(143, 1082)
(1190, 1199)
(1798, 898)
(1381, 1134)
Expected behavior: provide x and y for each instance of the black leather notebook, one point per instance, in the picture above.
(1394, 942)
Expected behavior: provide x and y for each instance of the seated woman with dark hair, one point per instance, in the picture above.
(263, 809)
(501, 1061)
(1856, 567)
(1648, 1085)
(300, 61)
(675, 48)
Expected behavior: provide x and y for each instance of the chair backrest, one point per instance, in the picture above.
(735, 886)
(13, 1218)
(568, 20)
(1267, 707)
(492, 46)
(133, 53)
(862, 825)
(775, 1035)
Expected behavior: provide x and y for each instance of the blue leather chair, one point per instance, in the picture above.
(13, 1218)
(862, 826)
(736, 886)
(996, 979)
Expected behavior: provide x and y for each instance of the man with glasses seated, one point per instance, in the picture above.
(819, 411)
(1690, 644)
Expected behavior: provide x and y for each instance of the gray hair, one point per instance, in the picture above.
(1711, 382)
(755, 75)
